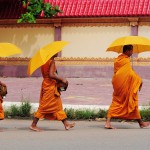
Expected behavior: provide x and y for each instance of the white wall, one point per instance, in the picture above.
(91, 41)
(84, 41)
(28, 39)
(144, 31)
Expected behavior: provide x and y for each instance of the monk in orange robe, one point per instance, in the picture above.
(50, 105)
(2, 94)
(126, 84)
(1, 109)
(1, 101)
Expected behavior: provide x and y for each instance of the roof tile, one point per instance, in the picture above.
(83, 8)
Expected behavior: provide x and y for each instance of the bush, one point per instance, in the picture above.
(85, 114)
(6, 113)
(102, 113)
(145, 114)
(14, 110)
(70, 113)
(25, 109)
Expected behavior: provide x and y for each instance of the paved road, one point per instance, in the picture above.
(87, 135)
(81, 91)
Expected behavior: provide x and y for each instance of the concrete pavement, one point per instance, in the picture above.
(87, 135)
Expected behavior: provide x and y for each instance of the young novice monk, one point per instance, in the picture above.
(50, 105)
(3, 92)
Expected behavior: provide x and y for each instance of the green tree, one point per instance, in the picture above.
(35, 9)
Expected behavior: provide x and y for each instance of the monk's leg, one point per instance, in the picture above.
(143, 124)
(68, 125)
(34, 123)
(108, 124)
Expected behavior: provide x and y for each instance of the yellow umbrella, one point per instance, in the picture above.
(140, 44)
(8, 49)
(44, 54)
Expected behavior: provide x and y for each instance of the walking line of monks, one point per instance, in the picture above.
(126, 84)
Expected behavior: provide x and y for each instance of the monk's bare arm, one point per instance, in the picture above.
(53, 74)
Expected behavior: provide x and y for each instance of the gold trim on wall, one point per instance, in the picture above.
(14, 61)
(74, 61)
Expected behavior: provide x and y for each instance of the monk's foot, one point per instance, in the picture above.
(68, 126)
(144, 124)
(109, 127)
(34, 128)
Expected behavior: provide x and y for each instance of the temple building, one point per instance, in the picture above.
(89, 25)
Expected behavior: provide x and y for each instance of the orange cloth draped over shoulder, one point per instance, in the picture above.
(125, 96)
(50, 105)
(1, 109)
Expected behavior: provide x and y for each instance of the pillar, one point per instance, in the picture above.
(57, 33)
(134, 30)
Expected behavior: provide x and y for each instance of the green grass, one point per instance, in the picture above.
(85, 114)
(24, 110)
(145, 114)
(14, 110)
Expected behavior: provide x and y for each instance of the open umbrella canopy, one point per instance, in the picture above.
(44, 54)
(140, 44)
(8, 49)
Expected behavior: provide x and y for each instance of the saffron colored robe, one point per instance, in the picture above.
(1, 109)
(50, 105)
(126, 84)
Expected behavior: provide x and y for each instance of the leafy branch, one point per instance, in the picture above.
(34, 9)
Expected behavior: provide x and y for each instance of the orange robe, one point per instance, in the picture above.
(50, 105)
(1, 109)
(125, 96)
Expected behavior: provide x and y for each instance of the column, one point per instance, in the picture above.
(57, 36)
(57, 33)
(134, 30)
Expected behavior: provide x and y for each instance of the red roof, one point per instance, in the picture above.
(84, 8)
(99, 8)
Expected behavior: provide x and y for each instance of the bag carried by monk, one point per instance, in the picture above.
(61, 86)
(3, 89)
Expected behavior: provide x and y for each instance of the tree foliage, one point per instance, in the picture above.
(33, 9)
